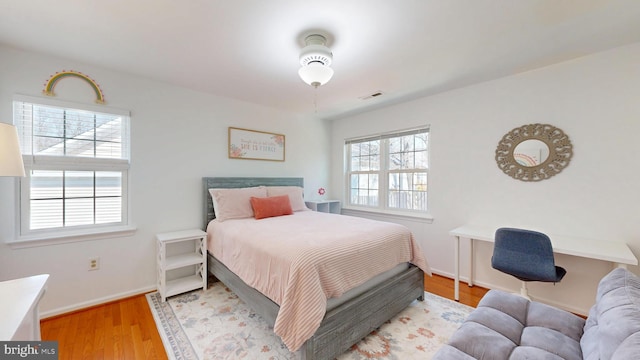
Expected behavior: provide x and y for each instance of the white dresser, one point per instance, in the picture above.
(19, 300)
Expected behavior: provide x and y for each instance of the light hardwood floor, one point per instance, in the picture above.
(125, 329)
(443, 286)
(122, 329)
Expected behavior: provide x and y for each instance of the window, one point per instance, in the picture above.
(77, 159)
(389, 171)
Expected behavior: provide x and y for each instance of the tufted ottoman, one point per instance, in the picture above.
(507, 326)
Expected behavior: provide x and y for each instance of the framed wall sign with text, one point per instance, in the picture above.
(255, 145)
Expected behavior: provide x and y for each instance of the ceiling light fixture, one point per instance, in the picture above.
(315, 59)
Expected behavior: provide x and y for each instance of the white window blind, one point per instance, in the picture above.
(77, 161)
(389, 171)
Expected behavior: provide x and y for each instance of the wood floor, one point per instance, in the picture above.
(443, 286)
(122, 329)
(125, 329)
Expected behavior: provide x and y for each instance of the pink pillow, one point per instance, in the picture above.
(271, 206)
(234, 203)
(296, 195)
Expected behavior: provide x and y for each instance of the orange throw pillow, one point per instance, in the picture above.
(271, 206)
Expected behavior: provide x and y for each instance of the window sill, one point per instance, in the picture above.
(53, 238)
(418, 217)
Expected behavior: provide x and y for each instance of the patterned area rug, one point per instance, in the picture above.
(215, 324)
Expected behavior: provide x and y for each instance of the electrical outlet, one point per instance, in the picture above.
(94, 263)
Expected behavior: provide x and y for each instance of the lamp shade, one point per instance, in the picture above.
(10, 156)
(315, 74)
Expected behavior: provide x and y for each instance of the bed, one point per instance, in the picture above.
(347, 318)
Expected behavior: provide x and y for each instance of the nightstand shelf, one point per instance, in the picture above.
(178, 251)
(178, 286)
(178, 261)
(327, 206)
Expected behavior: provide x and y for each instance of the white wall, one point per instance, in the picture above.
(593, 99)
(178, 136)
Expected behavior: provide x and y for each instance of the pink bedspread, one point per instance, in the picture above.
(301, 260)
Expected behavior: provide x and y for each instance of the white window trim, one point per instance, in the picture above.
(383, 182)
(399, 215)
(34, 238)
(70, 104)
(27, 241)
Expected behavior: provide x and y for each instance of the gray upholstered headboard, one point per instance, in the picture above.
(240, 182)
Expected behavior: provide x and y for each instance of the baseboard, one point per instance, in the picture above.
(464, 281)
(446, 274)
(95, 302)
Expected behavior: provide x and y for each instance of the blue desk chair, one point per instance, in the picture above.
(527, 255)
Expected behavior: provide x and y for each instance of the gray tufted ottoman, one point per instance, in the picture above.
(506, 326)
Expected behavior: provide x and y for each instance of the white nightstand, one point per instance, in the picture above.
(182, 256)
(328, 206)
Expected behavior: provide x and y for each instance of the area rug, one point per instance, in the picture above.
(216, 324)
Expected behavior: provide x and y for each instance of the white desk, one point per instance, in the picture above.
(616, 252)
(19, 300)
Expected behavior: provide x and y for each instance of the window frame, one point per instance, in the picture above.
(383, 174)
(28, 237)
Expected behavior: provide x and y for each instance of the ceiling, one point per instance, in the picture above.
(248, 49)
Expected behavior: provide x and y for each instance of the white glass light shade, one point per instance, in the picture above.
(315, 74)
(10, 156)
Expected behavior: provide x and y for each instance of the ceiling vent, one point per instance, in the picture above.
(371, 96)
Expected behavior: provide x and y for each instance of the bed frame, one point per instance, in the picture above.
(342, 326)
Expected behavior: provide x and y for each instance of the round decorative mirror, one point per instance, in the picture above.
(534, 152)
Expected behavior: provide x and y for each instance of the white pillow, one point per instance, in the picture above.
(296, 195)
(235, 203)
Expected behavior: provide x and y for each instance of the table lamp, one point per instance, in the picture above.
(10, 157)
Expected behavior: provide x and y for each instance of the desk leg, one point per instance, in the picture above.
(456, 262)
(471, 244)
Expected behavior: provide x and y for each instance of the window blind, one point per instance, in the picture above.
(47, 130)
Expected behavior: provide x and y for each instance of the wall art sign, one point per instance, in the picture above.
(255, 145)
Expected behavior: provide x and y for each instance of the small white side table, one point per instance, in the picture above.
(19, 301)
(328, 206)
(196, 256)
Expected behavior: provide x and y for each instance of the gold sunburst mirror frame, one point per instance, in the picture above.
(534, 152)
